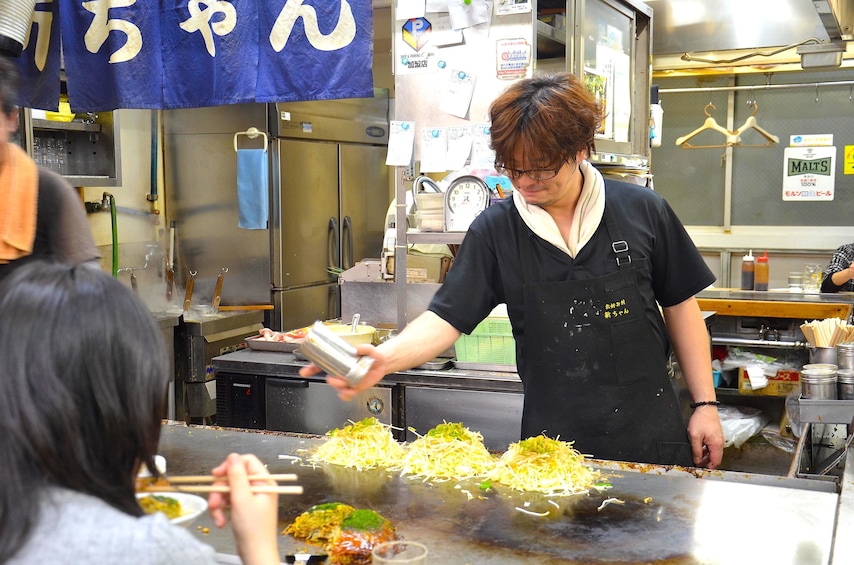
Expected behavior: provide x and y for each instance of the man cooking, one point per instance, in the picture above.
(583, 265)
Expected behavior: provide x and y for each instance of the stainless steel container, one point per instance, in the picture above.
(845, 384)
(334, 355)
(818, 382)
(824, 366)
(823, 355)
(845, 355)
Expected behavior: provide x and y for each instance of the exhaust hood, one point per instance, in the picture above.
(709, 34)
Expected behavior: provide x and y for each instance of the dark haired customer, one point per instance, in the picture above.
(839, 274)
(83, 380)
(583, 265)
(41, 216)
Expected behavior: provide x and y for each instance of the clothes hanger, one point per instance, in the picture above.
(750, 123)
(710, 123)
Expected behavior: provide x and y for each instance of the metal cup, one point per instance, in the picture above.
(334, 355)
(823, 355)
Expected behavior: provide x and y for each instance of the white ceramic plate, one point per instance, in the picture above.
(191, 505)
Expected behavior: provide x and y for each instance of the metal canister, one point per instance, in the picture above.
(819, 381)
(845, 355)
(821, 366)
(845, 384)
(334, 355)
(823, 355)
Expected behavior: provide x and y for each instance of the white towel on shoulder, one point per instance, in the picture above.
(587, 217)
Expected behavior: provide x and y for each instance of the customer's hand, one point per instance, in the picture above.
(253, 516)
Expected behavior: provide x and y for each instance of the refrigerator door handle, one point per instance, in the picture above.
(333, 300)
(347, 243)
(332, 245)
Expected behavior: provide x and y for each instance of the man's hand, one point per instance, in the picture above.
(345, 391)
(707, 437)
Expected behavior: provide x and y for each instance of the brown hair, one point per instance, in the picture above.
(552, 117)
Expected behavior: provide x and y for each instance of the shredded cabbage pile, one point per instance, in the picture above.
(546, 465)
(448, 451)
(361, 445)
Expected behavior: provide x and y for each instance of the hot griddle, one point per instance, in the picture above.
(666, 516)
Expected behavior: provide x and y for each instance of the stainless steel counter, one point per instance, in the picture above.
(668, 515)
(277, 364)
(782, 295)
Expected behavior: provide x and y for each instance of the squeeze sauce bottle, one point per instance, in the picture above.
(747, 269)
(761, 277)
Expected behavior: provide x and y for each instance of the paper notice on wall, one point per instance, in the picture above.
(467, 13)
(809, 173)
(812, 140)
(443, 34)
(512, 58)
(412, 48)
(605, 61)
(434, 150)
(482, 156)
(505, 7)
(407, 9)
(401, 140)
(459, 147)
(457, 97)
(848, 167)
(437, 5)
(622, 108)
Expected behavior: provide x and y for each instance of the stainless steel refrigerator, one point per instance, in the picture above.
(329, 192)
(200, 171)
(332, 190)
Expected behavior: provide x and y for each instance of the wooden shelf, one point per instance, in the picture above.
(775, 309)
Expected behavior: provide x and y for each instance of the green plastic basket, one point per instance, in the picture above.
(491, 343)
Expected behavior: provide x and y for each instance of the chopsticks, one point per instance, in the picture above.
(828, 332)
(190, 483)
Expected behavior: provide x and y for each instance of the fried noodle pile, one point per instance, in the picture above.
(546, 465)
(361, 445)
(448, 452)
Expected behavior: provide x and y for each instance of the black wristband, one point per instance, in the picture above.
(705, 403)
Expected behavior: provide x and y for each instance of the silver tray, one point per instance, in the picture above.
(485, 367)
(260, 344)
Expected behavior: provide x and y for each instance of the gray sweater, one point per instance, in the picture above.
(77, 528)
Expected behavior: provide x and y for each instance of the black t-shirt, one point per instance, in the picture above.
(487, 270)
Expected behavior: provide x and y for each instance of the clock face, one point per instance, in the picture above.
(467, 195)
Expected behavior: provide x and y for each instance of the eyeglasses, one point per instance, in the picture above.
(533, 174)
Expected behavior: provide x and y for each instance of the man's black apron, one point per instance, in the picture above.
(593, 371)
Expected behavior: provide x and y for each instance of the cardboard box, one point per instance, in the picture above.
(780, 384)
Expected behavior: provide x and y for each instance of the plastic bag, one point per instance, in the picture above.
(793, 411)
(740, 423)
(777, 440)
